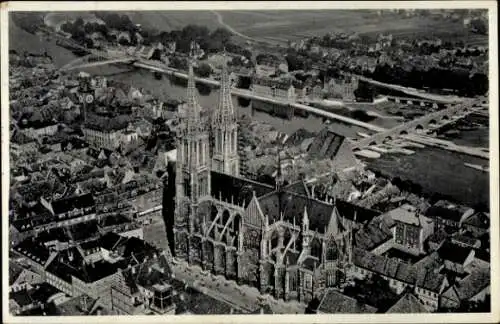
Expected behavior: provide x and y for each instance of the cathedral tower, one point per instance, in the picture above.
(192, 166)
(225, 129)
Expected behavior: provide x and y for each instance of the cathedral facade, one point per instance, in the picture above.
(279, 239)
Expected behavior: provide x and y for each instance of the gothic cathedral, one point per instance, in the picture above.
(279, 239)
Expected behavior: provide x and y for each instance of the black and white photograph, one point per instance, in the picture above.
(204, 159)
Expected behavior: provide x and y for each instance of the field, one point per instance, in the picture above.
(169, 20)
(278, 27)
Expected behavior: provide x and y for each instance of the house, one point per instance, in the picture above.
(275, 88)
(330, 145)
(70, 273)
(456, 257)
(108, 138)
(374, 238)
(429, 286)
(466, 240)
(435, 240)
(477, 223)
(447, 214)
(23, 301)
(82, 305)
(408, 303)
(37, 255)
(335, 302)
(70, 210)
(412, 229)
(21, 278)
(144, 287)
(474, 287)
(38, 128)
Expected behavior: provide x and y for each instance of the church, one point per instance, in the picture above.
(279, 239)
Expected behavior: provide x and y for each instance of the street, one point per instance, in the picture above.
(218, 287)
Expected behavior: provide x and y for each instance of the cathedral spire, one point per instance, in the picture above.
(225, 129)
(224, 113)
(193, 108)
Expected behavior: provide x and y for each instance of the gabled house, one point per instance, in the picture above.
(456, 257)
(21, 278)
(477, 223)
(429, 286)
(473, 287)
(335, 302)
(447, 214)
(408, 303)
(330, 145)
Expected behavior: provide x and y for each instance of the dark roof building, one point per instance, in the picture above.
(70, 203)
(454, 253)
(408, 303)
(330, 145)
(336, 302)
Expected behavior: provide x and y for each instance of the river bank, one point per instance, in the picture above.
(434, 169)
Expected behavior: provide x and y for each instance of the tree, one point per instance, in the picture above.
(203, 70)
(365, 92)
(295, 62)
(218, 39)
(479, 26)
(123, 41)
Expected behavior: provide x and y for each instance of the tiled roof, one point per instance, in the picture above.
(446, 210)
(406, 214)
(408, 303)
(438, 237)
(465, 239)
(388, 267)
(430, 262)
(239, 190)
(43, 292)
(336, 302)
(292, 206)
(14, 271)
(326, 144)
(298, 187)
(429, 280)
(34, 250)
(22, 298)
(371, 236)
(473, 283)
(480, 220)
(73, 305)
(76, 202)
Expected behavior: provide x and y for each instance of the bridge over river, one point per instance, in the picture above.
(414, 127)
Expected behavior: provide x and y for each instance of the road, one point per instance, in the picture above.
(220, 20)
(242, 297)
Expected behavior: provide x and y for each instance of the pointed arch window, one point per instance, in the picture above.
(316, 248)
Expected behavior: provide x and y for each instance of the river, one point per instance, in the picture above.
(435, 169)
